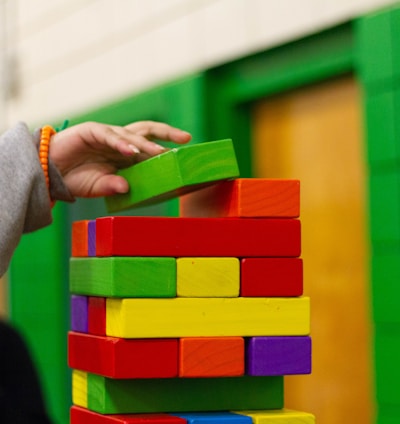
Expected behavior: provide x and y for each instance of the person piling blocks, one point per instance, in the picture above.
(182, 319)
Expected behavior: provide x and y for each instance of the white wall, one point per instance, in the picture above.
(68, 56)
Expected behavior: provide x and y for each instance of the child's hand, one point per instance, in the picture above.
(87, 155)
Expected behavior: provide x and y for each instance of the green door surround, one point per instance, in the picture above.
(216, 104)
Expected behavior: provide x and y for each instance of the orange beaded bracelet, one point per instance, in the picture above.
(45, 136)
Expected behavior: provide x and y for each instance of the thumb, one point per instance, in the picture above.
(108, 185)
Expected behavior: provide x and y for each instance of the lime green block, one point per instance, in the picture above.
(175, 172)
(116, 396)
(123, 276)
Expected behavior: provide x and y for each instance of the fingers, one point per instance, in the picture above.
(131, 143)
(117, 146)
(135, 138)
(160, 130)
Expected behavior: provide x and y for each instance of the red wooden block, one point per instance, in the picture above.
(171, 236)
(211, 356)
(244, 197)
(97, 316)
(123, 358)
(271, 277)
(80, 238)
(80, 415)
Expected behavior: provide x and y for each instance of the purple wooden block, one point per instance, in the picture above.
(278, 355)
(79, 313)
(92, 238)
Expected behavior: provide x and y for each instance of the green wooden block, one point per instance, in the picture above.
(174, 173)
(123, 276)
(114, 396)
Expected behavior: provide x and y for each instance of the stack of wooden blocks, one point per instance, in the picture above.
(191, 319)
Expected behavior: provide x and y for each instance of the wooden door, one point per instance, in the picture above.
(314, 134)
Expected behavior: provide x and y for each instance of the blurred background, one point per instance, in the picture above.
(307, 89)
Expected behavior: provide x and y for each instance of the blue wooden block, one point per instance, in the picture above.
(79, 313)
(278, 355)
(215, 418)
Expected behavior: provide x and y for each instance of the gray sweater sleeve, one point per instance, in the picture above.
(24, 199)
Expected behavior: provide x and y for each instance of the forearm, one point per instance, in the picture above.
(24, 198)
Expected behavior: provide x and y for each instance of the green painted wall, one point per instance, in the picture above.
(39, 306)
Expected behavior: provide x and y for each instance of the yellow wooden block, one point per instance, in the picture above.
(208, 277)
(79, 388)
(196, 317)
(279, 416)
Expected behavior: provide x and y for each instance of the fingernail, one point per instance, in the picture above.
(159, 147)
(134, 148)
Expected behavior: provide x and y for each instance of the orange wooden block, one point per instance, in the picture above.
(80, 239)
(245, 197)
(211, 356)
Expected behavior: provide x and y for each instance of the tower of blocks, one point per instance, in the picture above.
(193, 319)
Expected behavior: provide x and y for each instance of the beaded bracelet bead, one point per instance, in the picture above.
(45, 136)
